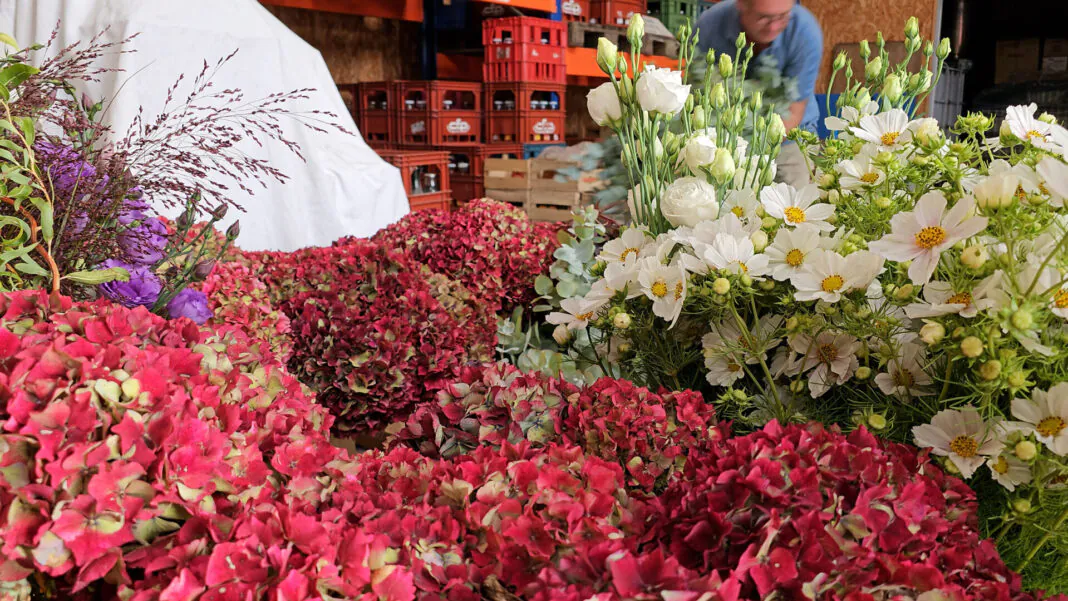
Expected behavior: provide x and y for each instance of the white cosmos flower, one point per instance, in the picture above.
(787, 254)
(905, 376)
(724, 369)
(665, 285)
(1045, 283)
(1047, 413)
(1054, 174)
(833, 355)
(850, 116)
(617, 277)
(627, 247)
(1009, 471)
(736, 255)
(888, 131)
(1028, 182)
(921, 235)
(796, 206)
(962, 436)
(706, 232)
(578, 311)
(1023, 124)
(940, 298)
(860, 172)
(743, 204)
(827, 275)
(727, 349)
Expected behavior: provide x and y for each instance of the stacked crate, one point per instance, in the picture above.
(574, 11)
(615, 12)
(532, 185)
(375, 104)
(674, 13)
(524, 50)
(438, 113)
(426, 177)
(467, 168)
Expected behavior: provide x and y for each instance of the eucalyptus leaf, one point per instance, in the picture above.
(566, 289)
(99, 276)
(543, 285)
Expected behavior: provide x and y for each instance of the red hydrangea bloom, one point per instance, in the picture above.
(238, 298)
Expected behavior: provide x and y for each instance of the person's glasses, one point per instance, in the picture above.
(765, 20)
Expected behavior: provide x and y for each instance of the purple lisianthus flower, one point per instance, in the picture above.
(134, 208)
(67, 169)
(190, 303)
(145, 243)
(142, 290)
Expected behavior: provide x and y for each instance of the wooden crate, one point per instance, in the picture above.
(506, 174)
(543, 172)
(552, 205)
(516, 198)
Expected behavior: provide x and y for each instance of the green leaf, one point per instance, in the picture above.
(4, 94)
(30, 267)
(13, 75)
(11, 255)
(47, 220)
(28, 129)
(10, 41)
(543, 285)
(99, 276)
(566, 289)
(5, 124)
(17, 177)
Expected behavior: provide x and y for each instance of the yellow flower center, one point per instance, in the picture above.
(962, 298)
(733, 367)
(742, 342)
(678, 290)
(1021, 194)
(659, 289)
(1032, 134)
(964, 446)
(870, 178)
(1043, 189)
(1060, 299)
(627, 253)
(832, 283)
(1050, 426)
(930, 237)
(738, 212)
(903, 377)
(584, 316)
(742, 267)
(827, 353)
(890, 137)
(794, 258)
(1001, 466)
(795, 214)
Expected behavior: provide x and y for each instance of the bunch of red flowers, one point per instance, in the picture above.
(492, 248)
(240, 299)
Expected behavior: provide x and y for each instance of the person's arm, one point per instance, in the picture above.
(803, 64)
(797, 113)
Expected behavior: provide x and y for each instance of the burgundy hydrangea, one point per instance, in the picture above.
(142, 289)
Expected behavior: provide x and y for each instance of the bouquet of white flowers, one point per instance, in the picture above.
(918, 287)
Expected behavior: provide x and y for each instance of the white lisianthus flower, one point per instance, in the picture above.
(827, 275)
(603, 104)
(700, 151)
(889, 131)
(1021, 121)
(833, 355)
(578, 312)
(689, 201)
(940, 298)
(1047, 413)
(665, 285)
(787, 254)
(962, 436)
(661, 90)
(1009, 471)
(905, 376)
(796, 206)
(860, 172)
(627, 247)
(923, 234)
(735, 254)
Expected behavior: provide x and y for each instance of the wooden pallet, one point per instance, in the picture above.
(543, 177)
(516, 198)
(585, 35)
(551, 205)
(506, 174)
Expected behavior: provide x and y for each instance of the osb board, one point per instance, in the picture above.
(357, 48)
(850, 21)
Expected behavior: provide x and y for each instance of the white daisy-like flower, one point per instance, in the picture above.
(727, 338)
(724, 369)
(742, 203)
(827, 275)
(1047, 413)
(1040, 283)
(850, 116)
(1023, 124)
(888, 131)
(941, 298)
(795, 207)
(923, 234)
(1028, 181)
(617, 278)
(706, 232)
(736, 255)
(578, 311)
(665, 285)
(1054, 174)
(1009, 471)
(627, 247)
(1059, 302)
(962, 436)
(786, 255)
(860, 172)
(832, 355)
(905, 376)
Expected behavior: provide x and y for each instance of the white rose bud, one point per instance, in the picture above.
(689, 201)
(723, 166)
(996, 191)
(874, 68)
(662, 91)
(892, 88)
(700, 151)
(760, 240)
(603, 103)
(607, 56)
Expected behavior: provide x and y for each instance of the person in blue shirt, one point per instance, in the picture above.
(791, 34)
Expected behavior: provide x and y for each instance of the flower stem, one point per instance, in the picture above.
(1045, 538)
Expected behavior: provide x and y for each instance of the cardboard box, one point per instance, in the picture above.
(1055, 58)
(1017, 60)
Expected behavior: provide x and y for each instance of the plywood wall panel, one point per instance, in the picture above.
(850, 21)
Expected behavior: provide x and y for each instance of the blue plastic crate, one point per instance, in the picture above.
(451, 17)
(532, 151)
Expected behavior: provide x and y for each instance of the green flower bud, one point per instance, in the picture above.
(1025, 450)
(874, 68)
(1021, 506)
(621, 321)
(928, 48)
(912, 27)
(636, 30)
(876, 421)
(1023, 319)
(740, 42)
(863, 372)
(776, 128)
(1047, 118)
(990, 370)
(971, 347)
(726, 66)
(865, 53)
(943, 49)
(723, 167)
(699, 121)
(892, 88)
(607, 56)
(721, 286)
(719, 95)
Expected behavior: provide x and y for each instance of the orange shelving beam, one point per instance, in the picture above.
(403, 10)
(543, 5)
(582, 62)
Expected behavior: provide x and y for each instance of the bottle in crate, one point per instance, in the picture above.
(574, 11)
(374, 105)
(425, 175)
(467, 164)
(525, 113)
(438, 113)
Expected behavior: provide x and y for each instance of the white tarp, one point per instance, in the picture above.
(344, 188)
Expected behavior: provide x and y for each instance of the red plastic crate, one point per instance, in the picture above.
(615, 12)
(470, 160)
(438, 113)
(438, 200)
(374, 106)
(527, 53)
(525, 113)
(524, 30)
(548, 72)
(466, 188)
(575, 10)
(414, 165)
